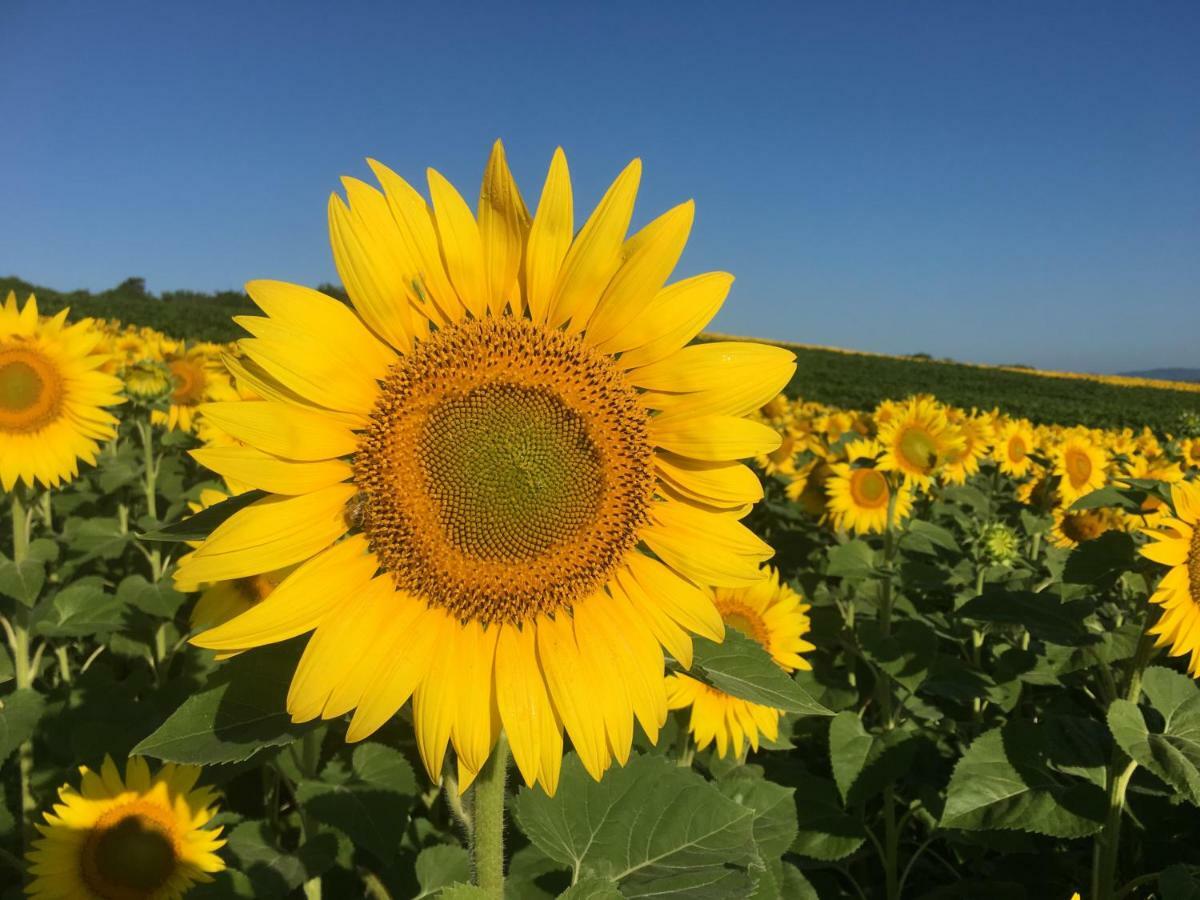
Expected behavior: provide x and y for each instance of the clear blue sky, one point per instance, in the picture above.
(1002, 182)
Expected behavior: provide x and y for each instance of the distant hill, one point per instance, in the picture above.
(1167, 374)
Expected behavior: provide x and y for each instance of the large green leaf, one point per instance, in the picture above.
(826, 831)
(439, 867)
(20, 712)
(22, 581)
(864, 764)
(1042, 614)
(1170, 748)
(239, 712)
(276, 873)
(1025, 777)
(853, 559)
(160, 600)
(81, 609)
(740, 667)
(774, 811)
(658, 829)
(372, 807)
(1100, 560)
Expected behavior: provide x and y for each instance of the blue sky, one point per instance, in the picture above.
(1010, 182)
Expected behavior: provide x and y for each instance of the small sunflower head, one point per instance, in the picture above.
(147, 381)
(1000, 544)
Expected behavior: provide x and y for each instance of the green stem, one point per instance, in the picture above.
(310, 765)
(891, 844)
(23, 667)
(1106, 849)
(891, 833)
(150, 488)
(487, 837)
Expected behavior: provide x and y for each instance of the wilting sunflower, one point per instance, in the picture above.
(1013, 445)
(51, 396)
(141, 838)
(1175, 542)
(772, 614)
(859, 498)
(506, 478)
(1080, 465)
(918, 439)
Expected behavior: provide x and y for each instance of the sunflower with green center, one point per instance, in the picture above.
(52, 396)
(1014, 443)
(1175, 542)
(1081, 467)
(506, 479)
(139, 838)
(859, 497)
(918, 439)
(773, 615)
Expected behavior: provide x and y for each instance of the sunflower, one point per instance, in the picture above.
(1175, 542)
(51, 396)
(859, 498)
(1013, 445)
(505, 478)
(1074, 528)
(1190, 450)
(147, 380)
(1080, 465)
(977, 435)
(918, 439)
(772, 614)
(196, 378)
(807, 487)
(141, 838)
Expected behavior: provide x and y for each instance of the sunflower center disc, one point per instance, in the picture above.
(130, 856)
(1193, 566)
(918, 448)
(869, 488)
(506, 471)
(189, 382)
(1079, 467)
(1016, 449)
(30, 390)
(1083, 527)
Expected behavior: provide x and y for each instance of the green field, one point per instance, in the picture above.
(851, 380)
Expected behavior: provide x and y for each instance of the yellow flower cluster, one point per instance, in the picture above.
(854, 469)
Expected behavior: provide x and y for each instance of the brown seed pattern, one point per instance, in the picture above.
(506, 472)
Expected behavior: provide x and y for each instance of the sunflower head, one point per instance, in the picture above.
(1175, 542)
(918, 439)
(861, 496)
(1080, 464)
(505, 479)
(147, 380)
(1000, 543)
(140, 837)
(1014, 444)
(52, 395)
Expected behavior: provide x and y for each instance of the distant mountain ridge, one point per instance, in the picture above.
(1166, 374)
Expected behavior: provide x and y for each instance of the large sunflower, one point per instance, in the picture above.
(1175, 542)
(774, 616)
(918, 439)
(1080, 465)
(139, 838)
(507, 479)
(52, 396)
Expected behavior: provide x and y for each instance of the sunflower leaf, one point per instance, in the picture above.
(657, 829)
(20, 713)
(238, 713)
(205, 522)
(1170, 748)
(740, 667)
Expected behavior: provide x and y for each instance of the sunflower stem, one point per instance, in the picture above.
(23, 665)
(150, 487)
(1106, 849)
(487, 836)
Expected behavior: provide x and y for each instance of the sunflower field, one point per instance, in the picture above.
(495, 581)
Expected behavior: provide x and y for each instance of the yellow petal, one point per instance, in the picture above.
(727, 377)
(664, 628)
(282, 429)
(300, 602)
(273, 533)
(568, 680)
(719, 484)
(270, 473)
(415, 226)
(524, 705)
(680, 599)
(671, 319)
(476, 720)
(549, 238)
(503, 229)
(433, 702)
(714, 438)
(462, 249)
(367, 250)
(327, 657)
(650, 256)
(595, 254)
(709, 548)
(386, 613)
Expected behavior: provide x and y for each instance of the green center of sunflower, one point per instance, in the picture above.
(869, 487)
(1079, 466)
(30, 390)
(1193, 565)
(918, 447)
(130, 853)
(506, 472)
